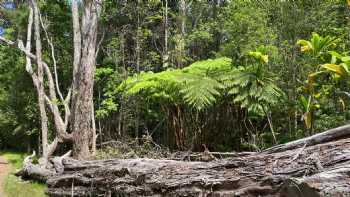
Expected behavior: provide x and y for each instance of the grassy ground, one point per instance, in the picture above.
(15, 187)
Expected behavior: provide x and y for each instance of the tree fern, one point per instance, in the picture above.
(200, 91)
(196, 85)
(252, 86)
(202, 83)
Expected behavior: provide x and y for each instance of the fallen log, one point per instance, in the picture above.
(332, 134)
(42, 170)
(198, 156)
(328, 183)
(320, 168)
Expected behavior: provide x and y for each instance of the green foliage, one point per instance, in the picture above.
(202, 83)
(106, 77)
(219, 98)
(318, 45)
(332, 63)
(253, 86)
(195, 85)
(245, 26)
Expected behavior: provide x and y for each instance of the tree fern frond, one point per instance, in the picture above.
(201, 93)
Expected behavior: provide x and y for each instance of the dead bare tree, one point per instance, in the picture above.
(78, 103)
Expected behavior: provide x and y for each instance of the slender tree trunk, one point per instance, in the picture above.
(138, 31)
(122, 99)
(40, 83)
(181, 42)
(294, 81)
(94, 135)
(138, 51)
(165, 52)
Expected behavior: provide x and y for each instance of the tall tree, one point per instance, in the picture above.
(85, 52)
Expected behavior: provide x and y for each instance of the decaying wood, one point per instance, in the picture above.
(318, 169)
(332, 134)
(44, 169)
(197, 156)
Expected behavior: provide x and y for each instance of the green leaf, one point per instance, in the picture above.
(345, 59)
(307, 120)
(338, 69)
(306, 46)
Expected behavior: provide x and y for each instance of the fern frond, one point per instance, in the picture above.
(201, 93)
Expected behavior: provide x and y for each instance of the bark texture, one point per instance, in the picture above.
(317, 169)
(85, 51)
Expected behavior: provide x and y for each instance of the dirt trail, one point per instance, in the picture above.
(4, 170)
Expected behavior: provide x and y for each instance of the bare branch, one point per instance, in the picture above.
(49, 40)
(29, 67)
(346, 93)
(99, 43)
(8, 42)
(49, 103)
(67, 109)
(60, 125)
(52, 147)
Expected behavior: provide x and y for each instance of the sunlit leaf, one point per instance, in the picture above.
(345, 59)
(307, 120)
(305, 48)
(342, 103)
(265, 58)
(312, 77)
(346, 66)
(305, 45)
(303, 102)
(337, 69)
(317, 95)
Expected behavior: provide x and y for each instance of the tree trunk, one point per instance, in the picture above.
(83, 76)
(94, 134)
(182, 33)
(40, 82)
(165, 50)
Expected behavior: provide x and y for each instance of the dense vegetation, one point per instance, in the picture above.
(234, 75)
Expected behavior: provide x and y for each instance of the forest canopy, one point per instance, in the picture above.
(232, 75)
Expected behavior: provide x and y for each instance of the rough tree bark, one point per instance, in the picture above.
(40, 81)
(316, 166)
(83, 75)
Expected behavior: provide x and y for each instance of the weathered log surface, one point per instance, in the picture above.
(330, 135)
(42, 170)
(314, 169)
